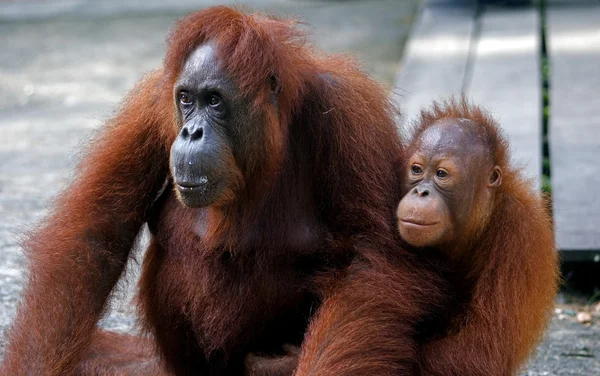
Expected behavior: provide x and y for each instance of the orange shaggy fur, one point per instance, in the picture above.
(340, 286)
(510, 267)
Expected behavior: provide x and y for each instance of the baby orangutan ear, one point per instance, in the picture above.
(274, 85)
(495, 177)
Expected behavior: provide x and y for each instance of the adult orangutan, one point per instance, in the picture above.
(276, 225)
(464, 199)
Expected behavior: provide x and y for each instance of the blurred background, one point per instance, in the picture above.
(65, 64)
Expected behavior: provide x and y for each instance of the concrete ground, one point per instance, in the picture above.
(65, 64)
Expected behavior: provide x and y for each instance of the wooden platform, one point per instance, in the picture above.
(574, 51)
(493, 55)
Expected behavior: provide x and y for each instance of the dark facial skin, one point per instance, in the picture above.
(203, 158)
(449, 176)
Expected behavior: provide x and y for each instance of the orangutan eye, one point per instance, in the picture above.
(214, 100)
(441, 174)
(416, 169)
(184, 98)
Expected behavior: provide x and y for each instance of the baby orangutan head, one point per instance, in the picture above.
(450, 182)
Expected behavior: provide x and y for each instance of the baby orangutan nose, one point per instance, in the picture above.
(421, 192)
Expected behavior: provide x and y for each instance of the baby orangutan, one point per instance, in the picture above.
(463, 199)
(463, 202)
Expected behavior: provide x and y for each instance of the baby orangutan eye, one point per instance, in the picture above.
(416, 169)
(441, 174)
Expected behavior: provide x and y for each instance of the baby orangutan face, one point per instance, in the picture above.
(450, 184)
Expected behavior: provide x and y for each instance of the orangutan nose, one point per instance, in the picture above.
(421, 192)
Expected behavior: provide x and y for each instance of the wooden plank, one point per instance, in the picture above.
(574, 51)
(434, 60)
(506, 80)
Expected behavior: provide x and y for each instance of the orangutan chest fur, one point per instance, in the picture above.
(232, 298)
(233, 303)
